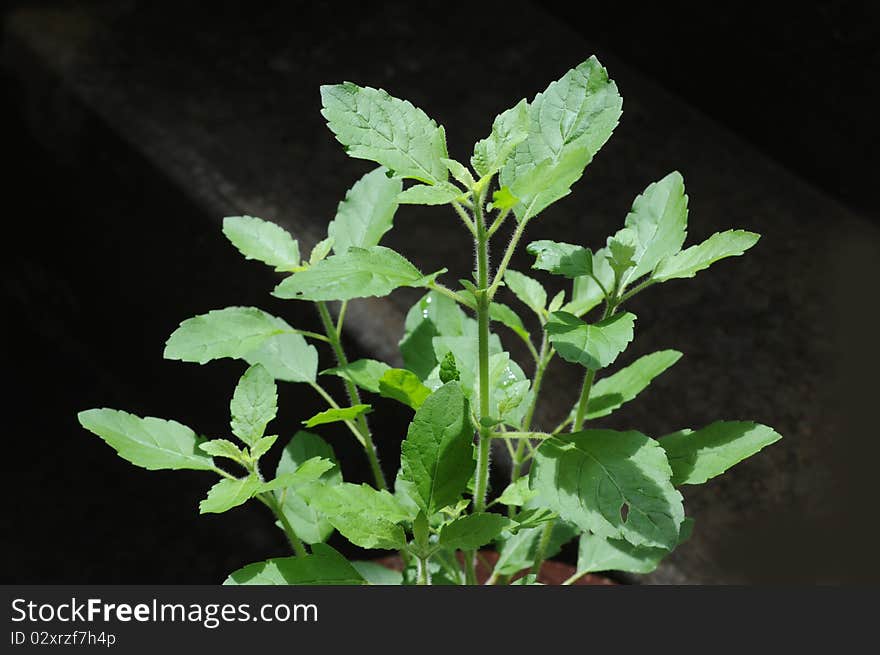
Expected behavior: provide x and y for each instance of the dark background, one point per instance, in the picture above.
(85, 321)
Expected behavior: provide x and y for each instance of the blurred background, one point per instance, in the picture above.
(131, 128)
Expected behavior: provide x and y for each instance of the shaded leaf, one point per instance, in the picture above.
(697, 456)
(324, 566)
(593, 346)
(614, 484)
(403, 386)
(473, 530)
(365, 373)
(437, 455)
(610, 393)
(363, 515)
(357, 273)
(561, 258)
(308, 523)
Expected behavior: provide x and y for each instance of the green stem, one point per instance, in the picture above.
(577, 576)
(306, 333)
(482, 472)
(297, 544)
(520, 435)
(517, 460)
(353, 395)
(498, 222)
(542, 546)
(508, 253)
(449, 293)
(584, 400)
(424, 574)
(636, 289)
(330, 401)
(470, 568)
(341, 318)
(462, 214)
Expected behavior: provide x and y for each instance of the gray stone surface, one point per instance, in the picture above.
(227, 106)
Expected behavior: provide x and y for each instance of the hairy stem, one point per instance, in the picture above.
(482, 472)
(583, 401)
(298, 547)
(424, 574)
(508, 253)
(543, 544)
(516, 465)
(354, 395)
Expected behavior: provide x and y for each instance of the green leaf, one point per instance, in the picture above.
(323, 567)
(222, 448)
(373, 125)
(658, 219)
(308, 523)
(473, 530)
(403, 386)
(233, 332)
(437, 455)
(586, 291)
(593, 346)
(151, 443)
(287, 357)
(449, 370)
(309, 471)
(227, 494)
(509, 129)
(621, 252)
(460, 172)
(254, 404)
(527, 289)
(432, 315)
(334, 415)
(534, 516)
(376, 574)
(556, 302)
(503, 199)
(597, 553)
(425, 194)
(561, 258)
(365, 373)
(263, 241)
(520, 550)
(610, 393)
(509, 389)
(614, 484)
(357, 273)
(366, 213)
(506, 316)
(320, 251)
(690, 261)
(697, 456)
(366, 517)
(262, 446)
(568, 124)
(517, 493)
